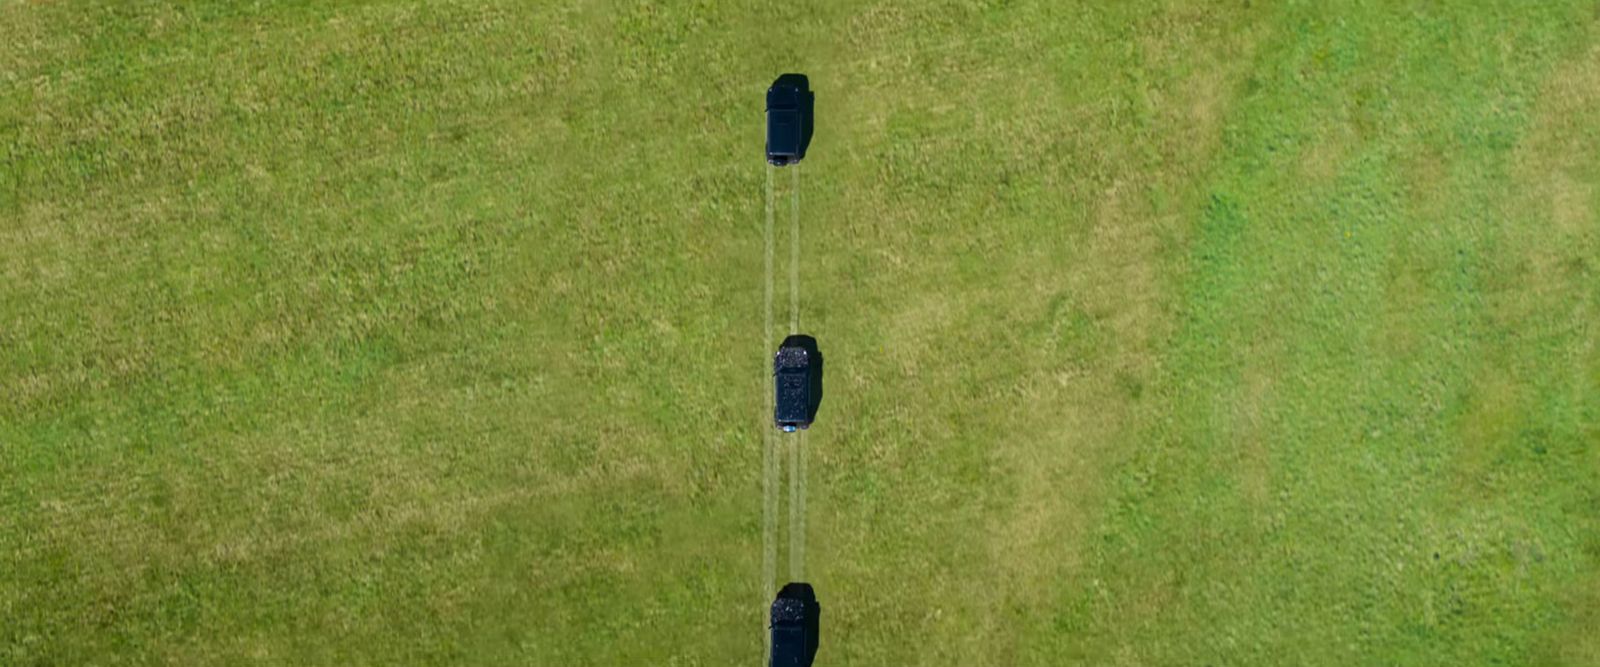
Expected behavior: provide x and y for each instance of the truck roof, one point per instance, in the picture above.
(795, 626)
(793, 357)
(794, 397)
(783, 96)
(784, 132)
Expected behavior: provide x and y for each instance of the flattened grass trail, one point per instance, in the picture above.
(1157, 333)
(770, 467)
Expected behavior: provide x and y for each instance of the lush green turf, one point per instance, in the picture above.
(1159, 333)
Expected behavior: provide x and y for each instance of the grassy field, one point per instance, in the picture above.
(1158, 333)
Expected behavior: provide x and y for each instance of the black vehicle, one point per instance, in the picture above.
(789, 106)
(794, 626)
(797, 379)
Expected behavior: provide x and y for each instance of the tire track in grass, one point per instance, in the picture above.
(797, 503)
(794, 253)
(797, 473)
(799, 523)
(769, 457)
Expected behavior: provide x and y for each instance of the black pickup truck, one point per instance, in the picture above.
(789, 107)
(797, 379)
(795, 616)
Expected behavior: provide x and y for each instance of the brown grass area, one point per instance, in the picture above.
(1321, 162)
(1116, 276)
(1548, 286)
(1550, 172)
(1252, 429)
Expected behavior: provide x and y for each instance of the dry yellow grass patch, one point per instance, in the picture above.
(1118, 277)
(1546, 288)
(1551, 169)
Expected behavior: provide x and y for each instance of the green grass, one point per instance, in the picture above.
(1158, 333)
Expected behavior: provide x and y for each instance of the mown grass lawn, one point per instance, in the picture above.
(1158, 333)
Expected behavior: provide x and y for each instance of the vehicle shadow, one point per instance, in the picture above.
(816, 394)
